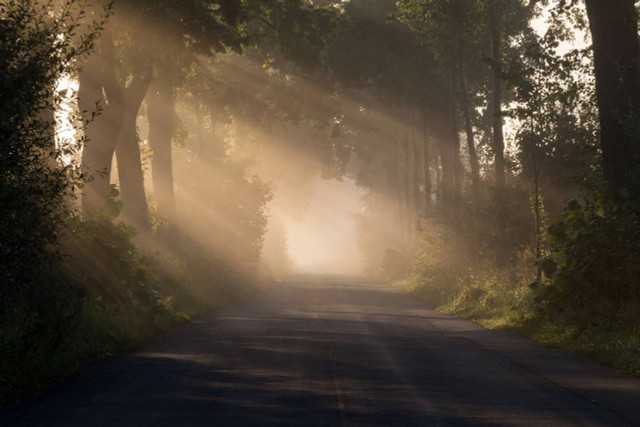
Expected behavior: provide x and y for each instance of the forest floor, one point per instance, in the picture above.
(325, 350)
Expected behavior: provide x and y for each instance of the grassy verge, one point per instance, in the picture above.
(504, 300)
(102, 298)
(97, 330)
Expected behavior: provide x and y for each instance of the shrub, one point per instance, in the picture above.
(593, 268)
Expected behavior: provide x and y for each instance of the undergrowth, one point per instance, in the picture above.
(585, 300)
(495, 302)
(102, 296)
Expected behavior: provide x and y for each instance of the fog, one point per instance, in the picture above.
(275, 170)
(324, 240)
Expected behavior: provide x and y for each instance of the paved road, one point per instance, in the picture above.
(337, 351)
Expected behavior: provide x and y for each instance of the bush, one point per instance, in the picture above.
(593, 267)
(38, 305)
(99, 297)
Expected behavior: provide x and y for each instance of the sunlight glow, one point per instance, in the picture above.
(66, 117)
(325, 240)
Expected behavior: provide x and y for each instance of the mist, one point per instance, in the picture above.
(325, 239)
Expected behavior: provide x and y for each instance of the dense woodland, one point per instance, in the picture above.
(142, 144)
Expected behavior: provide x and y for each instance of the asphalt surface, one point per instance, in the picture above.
(319, 350)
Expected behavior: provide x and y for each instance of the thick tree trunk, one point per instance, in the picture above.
(98, 76)
(616, 51)
(498, 136)
(161, 131)
(129, 162)
(468, 125)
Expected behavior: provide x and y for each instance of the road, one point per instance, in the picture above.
(333, 351)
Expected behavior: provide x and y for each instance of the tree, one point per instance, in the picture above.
(182, 32)
(452, 31)
(39, 43)
(616, 49)
(37, 46)
(123, 71)
(393, 81)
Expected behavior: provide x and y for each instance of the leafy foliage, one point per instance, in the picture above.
(35, 50)
(591, 269)
(38, 43)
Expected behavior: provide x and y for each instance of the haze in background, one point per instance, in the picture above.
(325, 239)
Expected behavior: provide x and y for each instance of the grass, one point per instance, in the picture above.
(97, 331)
(618, 348)
(503, 301)
(35, 352)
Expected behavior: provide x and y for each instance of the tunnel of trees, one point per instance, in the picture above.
(496, 144)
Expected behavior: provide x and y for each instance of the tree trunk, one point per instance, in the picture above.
(455, 141)
(536, 201)
(408, 177)
(417, 177)
(98, 76)
(437, 160)
(441, 127)
(468, 125)
(426, 165)
(412, 182)
(498, 136)
(129, 162)
(393, 195)
(161, 131)
(616, 51)
(201, 146)
(402, 186)
(446, 135)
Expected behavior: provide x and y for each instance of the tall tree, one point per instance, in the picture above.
(497, 35)
(119, 78)
(616, 49)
